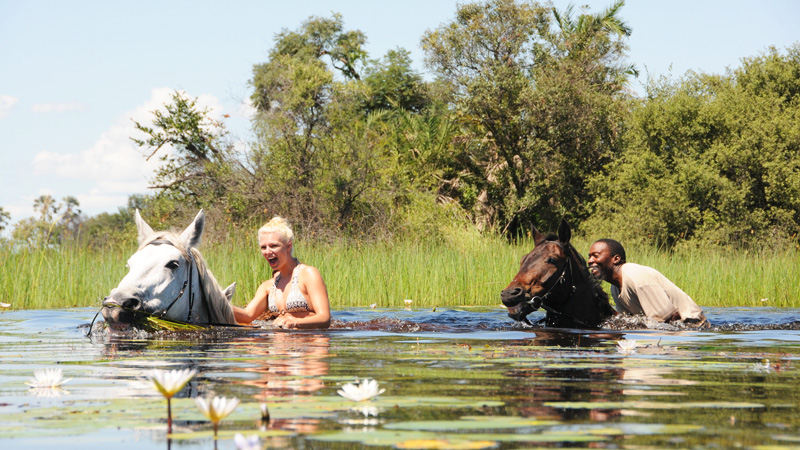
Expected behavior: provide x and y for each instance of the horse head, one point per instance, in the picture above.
(554, 277)
(165, 279)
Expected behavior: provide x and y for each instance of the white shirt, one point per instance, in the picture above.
(646, 291)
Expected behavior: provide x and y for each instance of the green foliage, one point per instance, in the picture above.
(57, 223)
(540, 106)
(529, 120)
(200, 167)
(710, 159)
(393, 84)
(5, 217)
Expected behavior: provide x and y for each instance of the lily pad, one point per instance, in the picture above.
(445, 444)
(653, 405)
(472, 423)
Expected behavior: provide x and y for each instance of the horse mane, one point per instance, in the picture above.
(598, 294)
(219, 307)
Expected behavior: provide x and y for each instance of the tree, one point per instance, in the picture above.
(539, 105)
(393, 85)
(710, 160)
(200, 167)
(5, 217)
(324, 148)
(58, 223)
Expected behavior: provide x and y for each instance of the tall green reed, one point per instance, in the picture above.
(462, 269)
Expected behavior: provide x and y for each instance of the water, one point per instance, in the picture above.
(453, 378)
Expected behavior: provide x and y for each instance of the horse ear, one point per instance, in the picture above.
(538, 237)
(564, 232)
(143, 227)
(192, 234)
(229, 291)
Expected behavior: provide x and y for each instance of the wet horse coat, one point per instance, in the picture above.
(168, 278)
(554, 277)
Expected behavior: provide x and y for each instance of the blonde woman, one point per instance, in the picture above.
(296, 295)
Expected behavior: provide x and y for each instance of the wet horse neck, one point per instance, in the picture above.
(577, 304)
(190, 306)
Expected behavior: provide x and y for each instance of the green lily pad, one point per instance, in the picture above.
(652, 405)
(228, 434)
(472, 423)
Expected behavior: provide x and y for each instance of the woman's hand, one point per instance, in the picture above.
(286, 321)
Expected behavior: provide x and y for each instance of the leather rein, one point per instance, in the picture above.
(186, 283)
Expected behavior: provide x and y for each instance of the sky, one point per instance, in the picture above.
(74, 75)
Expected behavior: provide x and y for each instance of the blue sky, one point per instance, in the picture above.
(73, 74)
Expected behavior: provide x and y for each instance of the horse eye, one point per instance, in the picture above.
(551, 260)
(173, 265)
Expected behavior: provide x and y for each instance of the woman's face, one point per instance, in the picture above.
(275, 251)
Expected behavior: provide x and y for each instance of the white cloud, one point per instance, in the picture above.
(57, 107)
(114, 164)
(7, 102)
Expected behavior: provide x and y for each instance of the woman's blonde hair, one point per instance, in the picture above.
(278, 225)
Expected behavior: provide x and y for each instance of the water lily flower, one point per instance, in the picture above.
(216, 409)
(170, 383)
(264, 412)
(5, 305)
(360, 390)
(373, 306)
(47, 378)
(408, 302)
(627, 346)
(250, 443)
(764, 366)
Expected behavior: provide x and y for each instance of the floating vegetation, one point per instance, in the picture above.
(505, 389)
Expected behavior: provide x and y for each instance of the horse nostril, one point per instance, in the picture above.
(510, 294)
(131, 303)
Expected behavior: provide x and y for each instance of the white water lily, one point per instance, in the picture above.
(361, 390)
(47, 378)
(264, 412)
(408, 302)
(250, 443)
(763, 367)
(5, 305)
(627, 346)
(373, 306)
(170, 382)
(216, 408)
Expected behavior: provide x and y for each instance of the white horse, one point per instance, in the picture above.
(168, 278)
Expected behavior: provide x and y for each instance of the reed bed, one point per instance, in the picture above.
(464, 270)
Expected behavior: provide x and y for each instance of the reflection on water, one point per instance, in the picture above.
(287, 365)
(461, 376)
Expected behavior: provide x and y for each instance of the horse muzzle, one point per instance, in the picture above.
(119, 314)
(519, 302)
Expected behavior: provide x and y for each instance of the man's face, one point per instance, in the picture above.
(601, 263)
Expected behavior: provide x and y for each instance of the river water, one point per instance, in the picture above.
(453, 378)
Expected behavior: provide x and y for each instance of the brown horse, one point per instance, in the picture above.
(554, 277)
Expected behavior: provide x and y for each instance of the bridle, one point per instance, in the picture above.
(186, 283)
(538, 301)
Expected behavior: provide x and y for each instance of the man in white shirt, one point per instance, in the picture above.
(641, 290)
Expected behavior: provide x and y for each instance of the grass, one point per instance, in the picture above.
(466, 269)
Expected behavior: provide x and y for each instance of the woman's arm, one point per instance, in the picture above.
(256, 307)
(313, 287)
